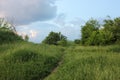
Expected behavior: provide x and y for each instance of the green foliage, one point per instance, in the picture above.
(114, 27)
(87, 30)
(70, 43)
(92, 34)
(116, 30)
(7, 34)
(53, 38)
(23, 56)
(115, 49)
(100, 37)
(77, 41)
(26, 38)
(27, 61)
(8, 37)
(62, 42)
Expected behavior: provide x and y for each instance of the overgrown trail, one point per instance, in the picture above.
(88, 63)
(61, 61)
(28, 61)
(58, 64)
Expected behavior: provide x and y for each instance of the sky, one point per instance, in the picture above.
(36, 18)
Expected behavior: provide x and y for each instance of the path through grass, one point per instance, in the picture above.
(28, 61)
(89, 63)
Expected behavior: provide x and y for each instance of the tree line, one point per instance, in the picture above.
(8, 33)
(93, 33)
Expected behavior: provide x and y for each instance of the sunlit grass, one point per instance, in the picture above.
(27, 61)
(89, 63)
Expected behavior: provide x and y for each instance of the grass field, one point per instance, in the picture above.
(28, 61)
(89, 63)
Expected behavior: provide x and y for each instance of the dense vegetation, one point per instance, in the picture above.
(8, 37)
(55, 38)
(56, 58)
(27, 61)
(94, 33)
(89, 63)
(8, 33)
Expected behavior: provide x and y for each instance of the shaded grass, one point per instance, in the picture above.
(116, 49)
(27, 61)
(89, 63)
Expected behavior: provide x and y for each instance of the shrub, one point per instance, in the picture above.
(24, 56)
(53, 38)
(77, 41)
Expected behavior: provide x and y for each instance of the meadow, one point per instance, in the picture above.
(28, 61)
(89, 63)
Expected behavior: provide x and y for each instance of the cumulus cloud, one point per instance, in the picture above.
(37, 34)
(33, 33)
(70, 28)
(60, 19)
(27, 11)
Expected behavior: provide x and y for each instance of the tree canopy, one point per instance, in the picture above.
(8, 33)
(55, 38)
(93, 34)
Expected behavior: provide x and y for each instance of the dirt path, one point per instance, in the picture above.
(56, 68)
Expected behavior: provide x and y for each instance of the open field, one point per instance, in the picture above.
(28, 61)
(89, 63)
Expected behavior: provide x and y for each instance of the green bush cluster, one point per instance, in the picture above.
(55, 38)
(95, 34)
(8, 37)
(8, 32)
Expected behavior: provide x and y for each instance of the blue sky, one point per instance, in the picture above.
(86, 9)
(37, 18)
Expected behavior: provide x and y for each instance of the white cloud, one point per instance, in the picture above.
(71, 28)
(27, 11)
(33, 33)
(60, 20)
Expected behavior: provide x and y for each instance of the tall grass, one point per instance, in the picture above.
(89, 63)
(27, 61)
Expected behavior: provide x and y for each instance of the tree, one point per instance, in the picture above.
(90, 26)
(7, 26)
(92, 34)
(116, 30)
(7, 33)
(53, 38)
(114, 27)
(26, 38)
(62, 42)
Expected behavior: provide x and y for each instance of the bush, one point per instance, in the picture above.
(92, 34)
(8, 37)
(53, 38)
(8, 32)
(24, 56)
(115, 48)
(62, 43)
(77, 41)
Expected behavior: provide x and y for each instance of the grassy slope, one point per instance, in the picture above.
(27, 61)
(89, 63)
